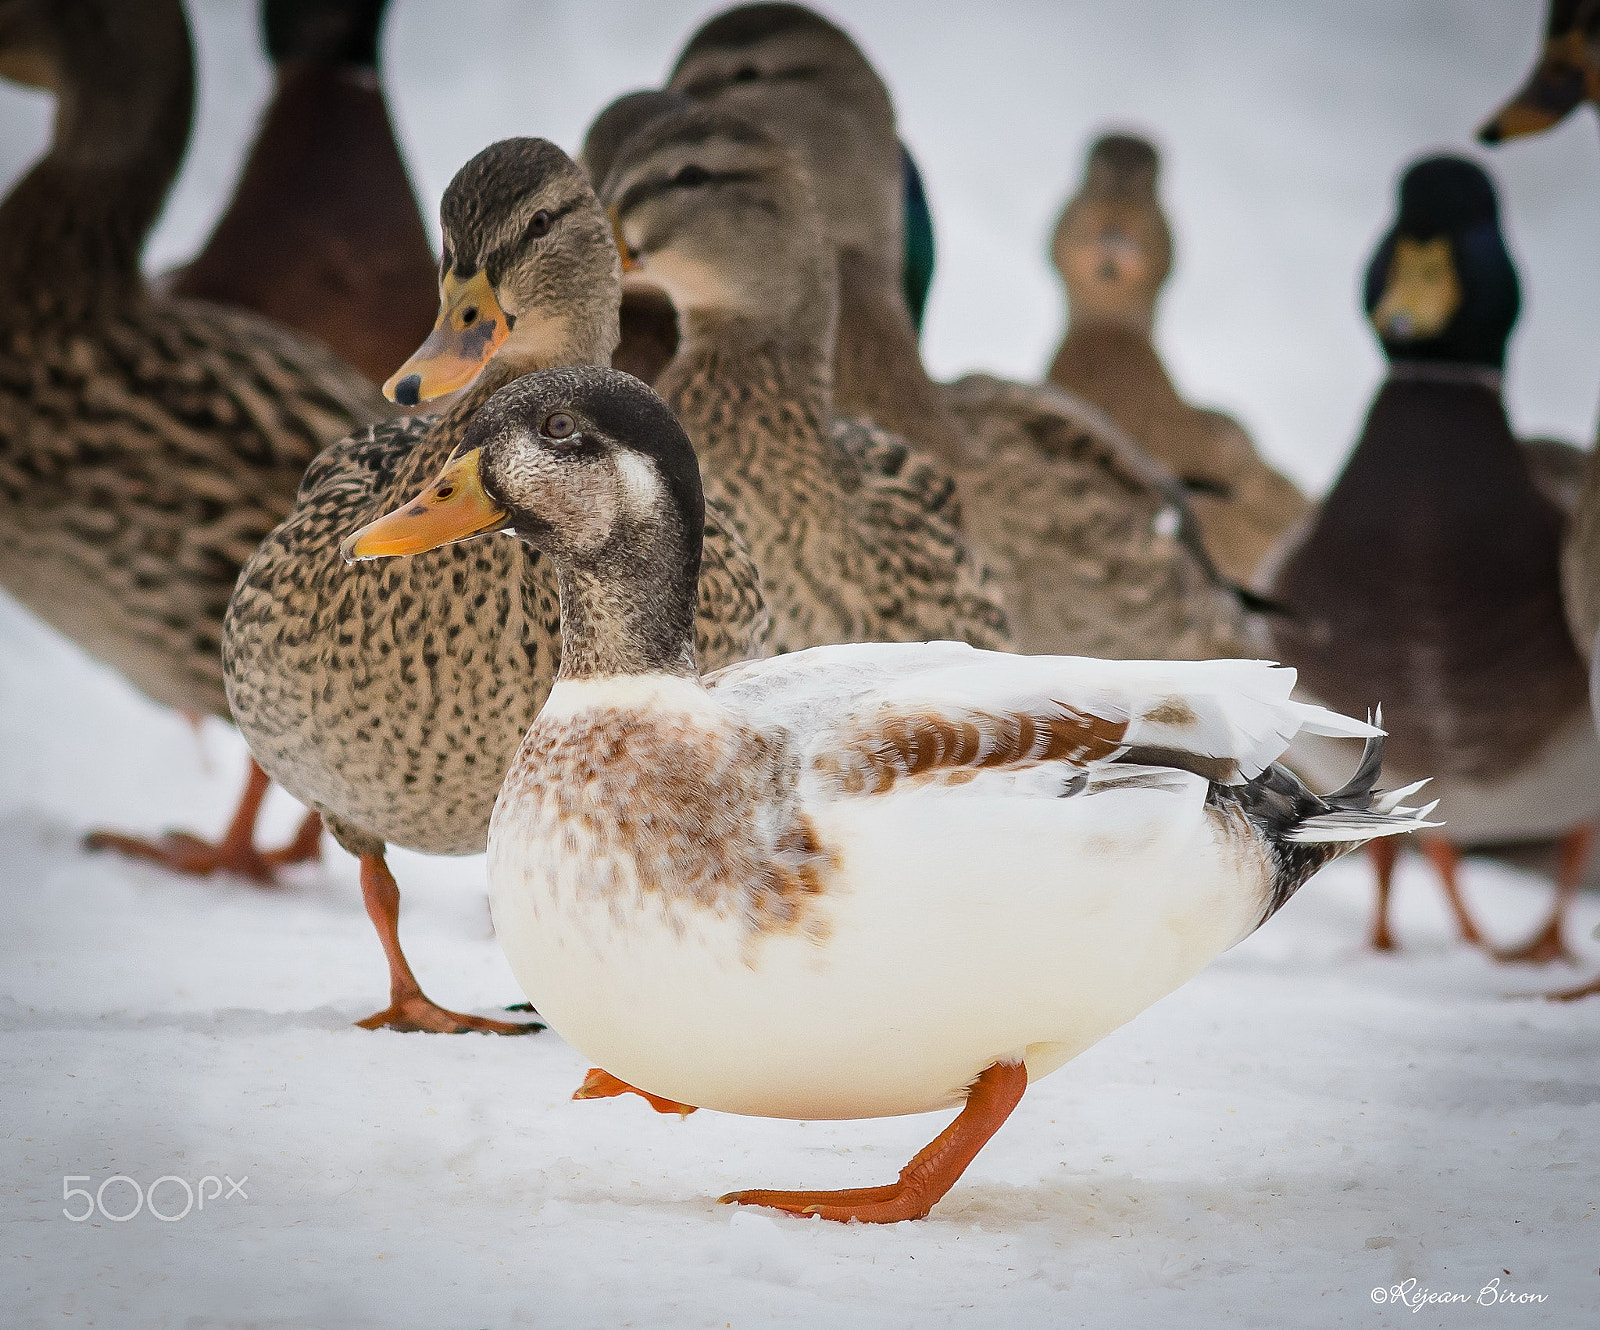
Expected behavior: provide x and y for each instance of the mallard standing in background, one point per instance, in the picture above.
(1092, 540)
(1113, 249)
(147, 444)
(1428, 577)
(1567, 75)
(324, 233)
(722, 217)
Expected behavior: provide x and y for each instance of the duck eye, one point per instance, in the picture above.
(469, 316)
(558, 425)
(691, 176)
(539, 224)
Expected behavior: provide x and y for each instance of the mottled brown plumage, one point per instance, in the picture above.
(722, 217)
(393, 696)
(146, 444)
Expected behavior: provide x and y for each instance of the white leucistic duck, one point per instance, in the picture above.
(854, 881)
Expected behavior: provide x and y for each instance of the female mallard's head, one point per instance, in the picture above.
(804, 81)
(1568, 73)
(721, 217)
(1112, 246)
(619, 122)
(585, 463)
(1441, 286)
(529, 271)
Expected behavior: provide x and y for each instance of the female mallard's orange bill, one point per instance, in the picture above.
(470, 329)
(629, 263)
(453, 508)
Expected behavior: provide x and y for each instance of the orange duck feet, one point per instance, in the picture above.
(417, 1013)
(925, 1180)
(1544, 948)
(235, 853)
(603, 1085)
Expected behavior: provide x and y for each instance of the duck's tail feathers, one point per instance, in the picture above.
(1359, 811)
(1305, 830)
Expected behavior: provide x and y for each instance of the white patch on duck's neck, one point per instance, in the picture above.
(641, 486)
(627, 692)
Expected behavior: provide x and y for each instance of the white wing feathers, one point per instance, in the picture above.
(1234, 715)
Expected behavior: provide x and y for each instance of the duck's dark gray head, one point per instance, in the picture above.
(529, 270)
(1442, 286)
(806, 82)
(577, 461)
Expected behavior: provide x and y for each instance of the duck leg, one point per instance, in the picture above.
(235, 853)
(1446, 861)
(1383, 853)
(600, 1084)
(1547, 944)
(410, 1009)
(1590, 989)
(926, 1178)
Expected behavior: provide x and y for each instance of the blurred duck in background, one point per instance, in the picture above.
(1113, 249)
(147, 443)
(1567, 75)
(648, 324)
(1092, 539)
(1428, 577)
(324, 233)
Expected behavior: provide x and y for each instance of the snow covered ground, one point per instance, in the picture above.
(1301, 1125)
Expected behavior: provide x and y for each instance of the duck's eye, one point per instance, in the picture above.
(746, 74)
(469, 316)
(691, 176)
(558, 425)
(539, 224)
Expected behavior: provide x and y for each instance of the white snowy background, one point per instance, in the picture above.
(1301, 1124)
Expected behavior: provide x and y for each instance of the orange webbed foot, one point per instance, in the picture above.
(598, 1084)
(924, 1181)
(1544, 948)
(235, 853)
(417, 1013)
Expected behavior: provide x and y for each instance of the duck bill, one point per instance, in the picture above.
(629, 263)
(453, 508)
(470, 329)
(1562, 80)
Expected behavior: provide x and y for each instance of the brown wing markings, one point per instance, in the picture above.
(926, 745)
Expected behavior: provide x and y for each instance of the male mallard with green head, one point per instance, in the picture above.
(147, 443)
(1113, 249)
(1429, 575)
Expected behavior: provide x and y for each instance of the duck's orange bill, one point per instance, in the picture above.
(470, 329)
(1564, 77)
(629, 263)
(453, 508)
